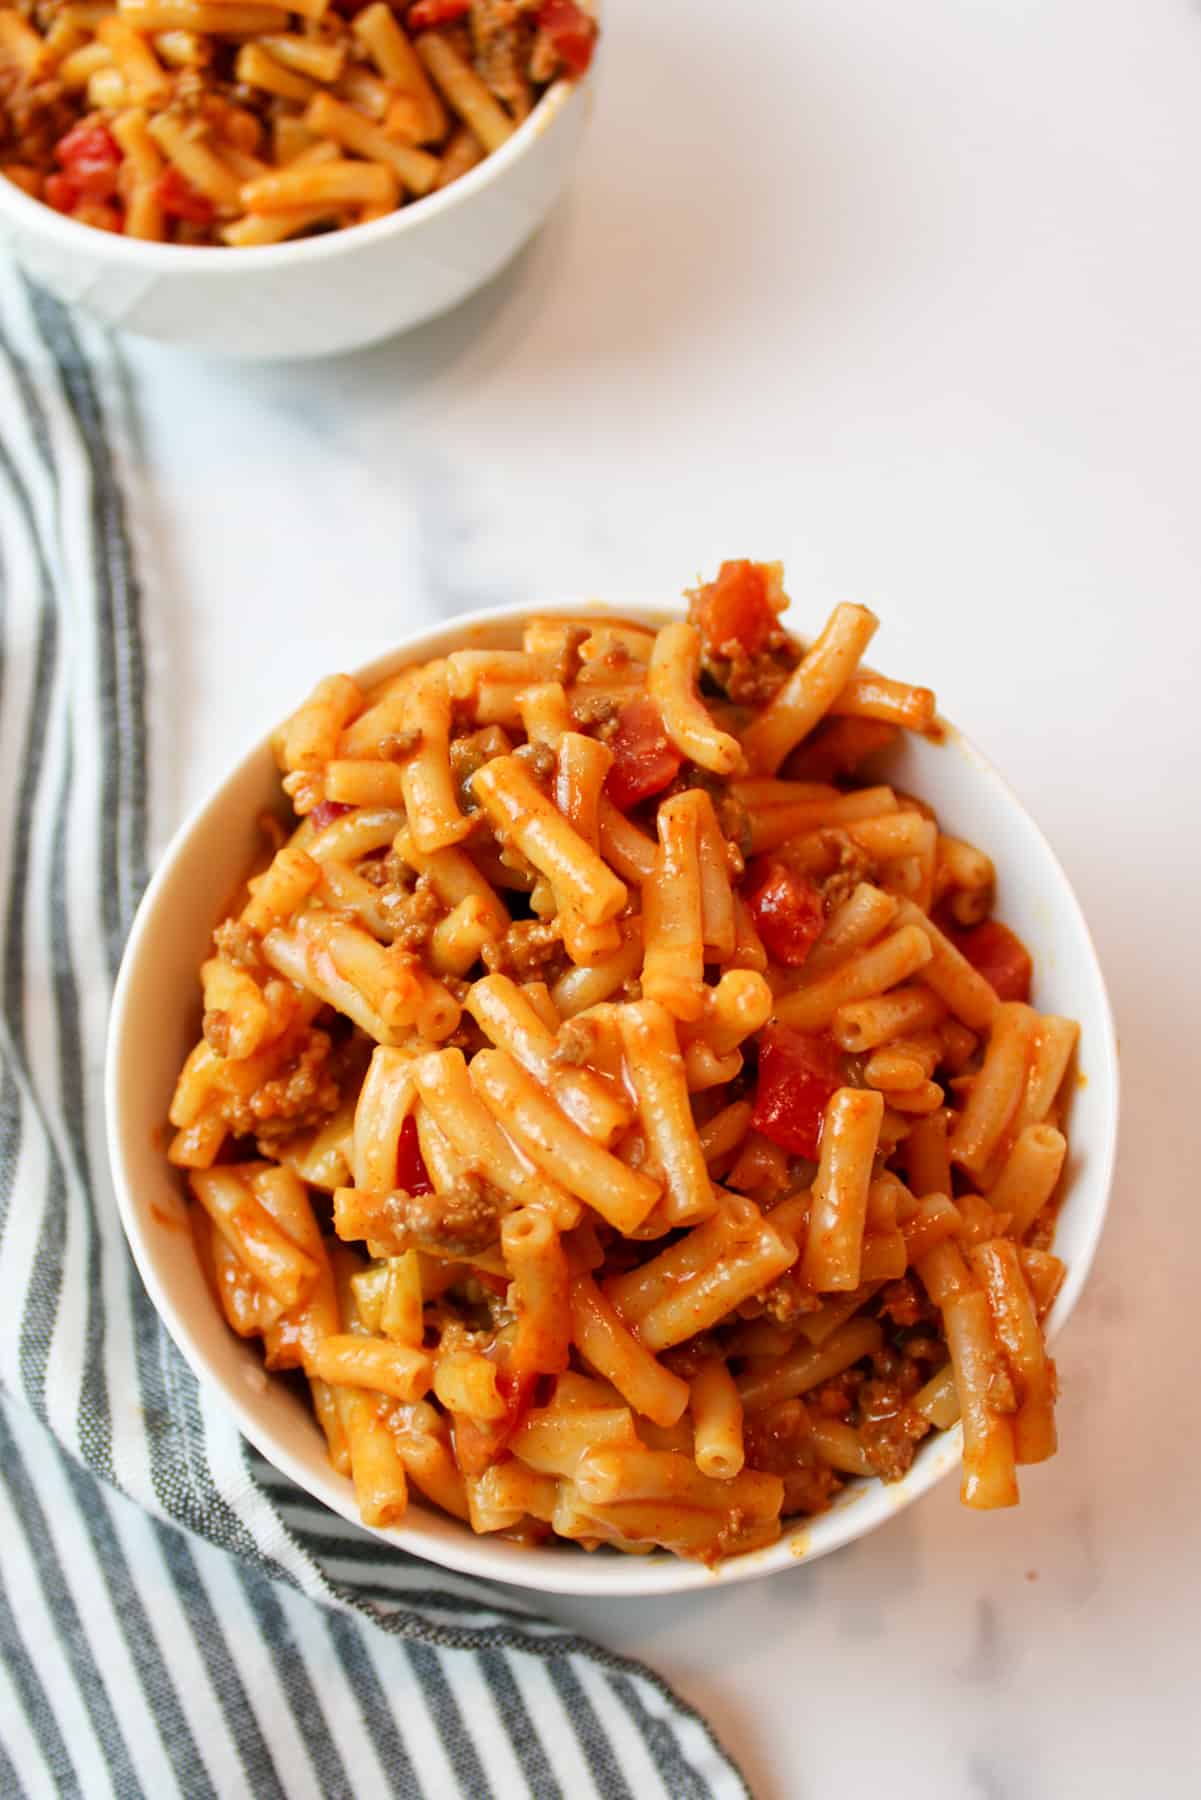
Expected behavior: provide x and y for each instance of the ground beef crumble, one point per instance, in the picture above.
(540, 762)
(530, 947)
(850, 866)
(461, 1222)
(788, 1298)
(575, 1046)
(778, 1442)
(501, 57)
(302, 1093)
(469, 752)
(889, 1429)
(238, 944)
(34, 115)
(904, 1303)
(217, 1030)
(595, 713)
(754, 679)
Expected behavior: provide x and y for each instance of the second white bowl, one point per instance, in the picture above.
(318, 295)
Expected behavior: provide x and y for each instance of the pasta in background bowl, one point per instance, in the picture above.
(194, 123)
(150, 1040)
(311, 295)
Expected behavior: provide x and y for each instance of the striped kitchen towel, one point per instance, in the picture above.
(219, 1634)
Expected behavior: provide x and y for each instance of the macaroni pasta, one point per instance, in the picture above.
(217, 122)
(632, 1126)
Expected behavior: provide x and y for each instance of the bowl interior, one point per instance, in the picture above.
(156, 1018)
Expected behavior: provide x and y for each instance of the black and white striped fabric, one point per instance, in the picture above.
(174, 1616)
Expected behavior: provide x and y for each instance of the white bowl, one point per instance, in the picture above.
(156, 1017)
(319, 295)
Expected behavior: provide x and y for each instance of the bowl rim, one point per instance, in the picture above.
(564, 1570)
(119, 251)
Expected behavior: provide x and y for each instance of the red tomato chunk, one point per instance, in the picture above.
(90, 156)
(736, 609)
(786, 908)
(435, 12)
(798, 1076)
(61, 193)
(571, 32)
(998, 954)
(411, 1172)
(180, 200)
(644, 760)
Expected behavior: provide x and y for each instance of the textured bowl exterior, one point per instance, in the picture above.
(156, 1017)
(320, 295)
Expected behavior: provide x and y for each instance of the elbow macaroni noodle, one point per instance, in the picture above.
(630, 1119)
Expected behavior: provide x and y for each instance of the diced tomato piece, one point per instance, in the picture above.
(435, 12)
(411, 1172)
(798, 1076)
(571, 32)
(326, 811)
(180, 200)
(787, 909)
(644, 759)
(997, 953)
(61, 193)
(737, 609)
(90, 156)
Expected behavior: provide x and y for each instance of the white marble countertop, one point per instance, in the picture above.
(911, 298)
